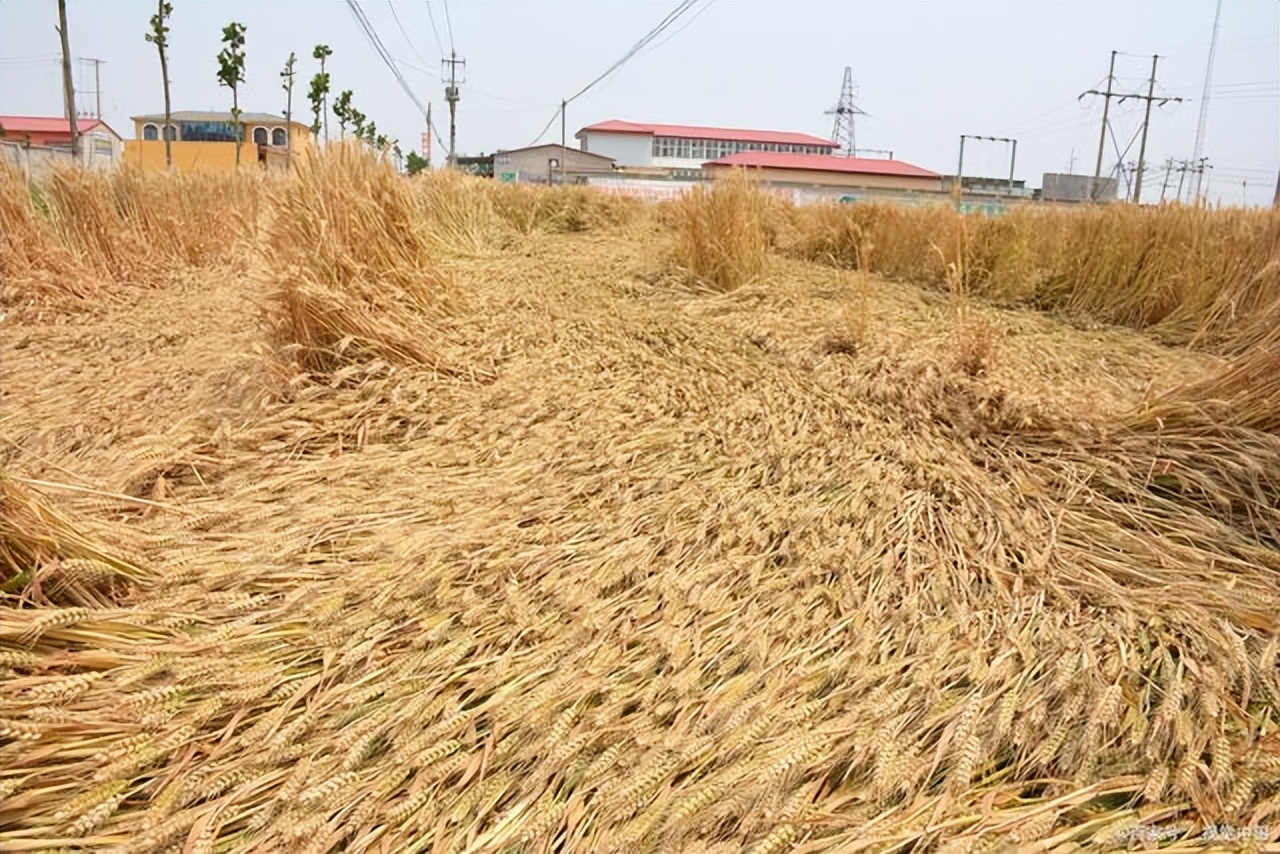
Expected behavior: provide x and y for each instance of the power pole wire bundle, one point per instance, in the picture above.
(672, 16)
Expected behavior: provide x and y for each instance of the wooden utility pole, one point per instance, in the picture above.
(68, 88)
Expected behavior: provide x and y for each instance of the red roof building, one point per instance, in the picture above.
(678, 148)
(101, 146)
(831, 171)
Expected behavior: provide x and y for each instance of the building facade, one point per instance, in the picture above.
(829, 171)
(206, 141)
(542, 164)
(48, 138)
(681, 150)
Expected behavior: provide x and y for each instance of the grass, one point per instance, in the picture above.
(421, 516)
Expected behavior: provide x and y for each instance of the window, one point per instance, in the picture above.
(150, 132)
(698, 149)
(279, 136)
(657, 146)
(668, 147)
(171, 132)
(682, 150)
(208, 132)
(259, 136)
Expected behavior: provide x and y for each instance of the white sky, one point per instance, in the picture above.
(926, 72)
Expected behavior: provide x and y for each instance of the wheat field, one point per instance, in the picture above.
(350, 512)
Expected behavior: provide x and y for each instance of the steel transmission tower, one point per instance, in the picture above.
(843, 132)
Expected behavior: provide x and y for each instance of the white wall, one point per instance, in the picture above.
(627, 149)
(679, 162)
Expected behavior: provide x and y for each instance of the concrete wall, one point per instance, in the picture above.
(1078, 188)
(627, 149)
(205, 157)
(34, 161)
(799, 177)
(99, 149)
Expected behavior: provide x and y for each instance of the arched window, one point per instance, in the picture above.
(171, 133)
(260, 136)
(279, 136)
(150, 132)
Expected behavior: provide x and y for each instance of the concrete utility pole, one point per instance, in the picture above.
(68, 88)
(563, 137)
(1168, 171)
(1146, 121)
(1013, 156)
(97, 84)
(1102, 137)
(451, 95)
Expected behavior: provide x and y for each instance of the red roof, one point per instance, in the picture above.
(692, 132)
(46, 124)
(824, 163)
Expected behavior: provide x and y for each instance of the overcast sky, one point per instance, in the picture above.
(926, 72)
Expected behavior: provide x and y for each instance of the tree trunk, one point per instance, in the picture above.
(288, 125)
(325, 103)
(164, 74)
(68, 89)
(236, 127)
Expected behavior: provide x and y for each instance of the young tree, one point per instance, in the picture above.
(286, 77)
(342, 109)
(159, 36)
(415, 163)
(323, 52)
(231, 74)
(317, 94)
(357, 122)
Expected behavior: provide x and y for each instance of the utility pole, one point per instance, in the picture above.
(1168, 170)
(1198, 150)
(1102, 136)
(451, 95)
(1182, 174)
(1013, 156)
(1146, 121)
(68, 88)
(563, 143)
(1149, 97)
(842, 132)
(97, 84)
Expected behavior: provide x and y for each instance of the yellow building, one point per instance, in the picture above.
(205, 141)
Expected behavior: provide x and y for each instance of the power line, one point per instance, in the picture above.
(671, 17)
(449, 23)
(403, 33)
(434, 31)
(381, 49)
(666, 22)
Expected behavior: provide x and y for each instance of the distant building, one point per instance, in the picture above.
(829, 171)
(978, 185)
(540, 164)
(205, 141)
(680, 150)
(481, 166)
(1078, 188)
(101, 147)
